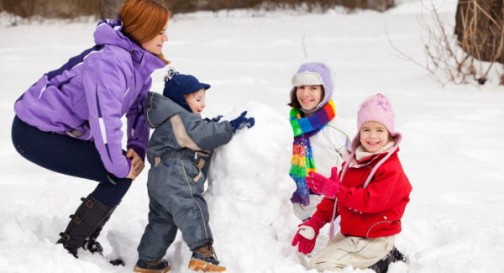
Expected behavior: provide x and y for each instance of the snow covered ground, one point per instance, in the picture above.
(452, 150)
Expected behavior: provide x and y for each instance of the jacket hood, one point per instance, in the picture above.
(159, 108)
(178, 85)
(323, 73)
(108, 32)
(351, 156)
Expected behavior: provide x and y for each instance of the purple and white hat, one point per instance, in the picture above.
(314, 73)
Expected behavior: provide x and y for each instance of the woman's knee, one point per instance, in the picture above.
(112, 194)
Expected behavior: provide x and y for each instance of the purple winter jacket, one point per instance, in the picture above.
(87, 97)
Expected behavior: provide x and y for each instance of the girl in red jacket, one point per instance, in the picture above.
(370, 196)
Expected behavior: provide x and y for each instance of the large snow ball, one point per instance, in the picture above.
(249, 192)
(260, 155)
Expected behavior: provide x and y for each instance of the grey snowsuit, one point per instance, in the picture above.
(179, 153)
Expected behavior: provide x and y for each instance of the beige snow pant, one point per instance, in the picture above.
(358, 252)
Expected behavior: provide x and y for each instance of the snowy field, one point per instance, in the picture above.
(452, 148)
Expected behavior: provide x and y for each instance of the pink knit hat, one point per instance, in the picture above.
(376, 108)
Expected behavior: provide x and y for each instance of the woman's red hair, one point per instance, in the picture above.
(143, 20)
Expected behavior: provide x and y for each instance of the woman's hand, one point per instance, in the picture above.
(137, 164)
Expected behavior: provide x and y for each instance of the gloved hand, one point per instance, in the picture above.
(242, 122)
(307, 234)
(215, 119)
(323, 185)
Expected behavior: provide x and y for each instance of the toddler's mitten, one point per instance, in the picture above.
(241, 122)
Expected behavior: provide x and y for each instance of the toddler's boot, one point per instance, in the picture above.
(204, 259)
(160, 266)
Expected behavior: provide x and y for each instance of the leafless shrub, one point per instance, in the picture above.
(466, 60)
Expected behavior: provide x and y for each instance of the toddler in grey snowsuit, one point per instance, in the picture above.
(179, 153)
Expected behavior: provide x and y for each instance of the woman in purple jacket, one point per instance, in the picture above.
(69, 121)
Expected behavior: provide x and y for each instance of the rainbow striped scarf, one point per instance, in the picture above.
(302, 161)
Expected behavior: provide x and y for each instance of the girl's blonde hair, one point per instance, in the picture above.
(143, 20)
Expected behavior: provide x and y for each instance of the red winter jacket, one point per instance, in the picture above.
(374, 211)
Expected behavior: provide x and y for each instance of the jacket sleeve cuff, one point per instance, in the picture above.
(138, 150)
(324, 210)
(344, 193)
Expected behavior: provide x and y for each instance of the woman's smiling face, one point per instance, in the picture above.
(155, 46)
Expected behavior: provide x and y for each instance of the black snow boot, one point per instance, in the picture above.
(393, 256)
(93, 246)
(85, 226)
(90, 243)
(160, 266)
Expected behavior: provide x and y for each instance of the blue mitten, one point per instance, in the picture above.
(241, 122)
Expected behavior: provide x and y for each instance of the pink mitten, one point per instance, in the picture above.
(306, 235)
(323, 185)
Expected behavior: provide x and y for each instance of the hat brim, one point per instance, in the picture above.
(307, 78)
(195, 88)
(205, 86)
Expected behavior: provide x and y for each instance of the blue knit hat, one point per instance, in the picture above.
(177, 85)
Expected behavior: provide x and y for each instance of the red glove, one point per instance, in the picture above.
(307, 235)
(323, 185)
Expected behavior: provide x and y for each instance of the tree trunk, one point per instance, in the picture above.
(479, 29)
(109, 8)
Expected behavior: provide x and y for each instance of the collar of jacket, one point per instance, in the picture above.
(159, 108)
(108, 32)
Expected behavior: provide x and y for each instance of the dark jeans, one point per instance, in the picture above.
(70, 156)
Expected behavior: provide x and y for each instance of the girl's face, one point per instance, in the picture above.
(196, 101)
(309, 96)
(373, 136)
(155, 46)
